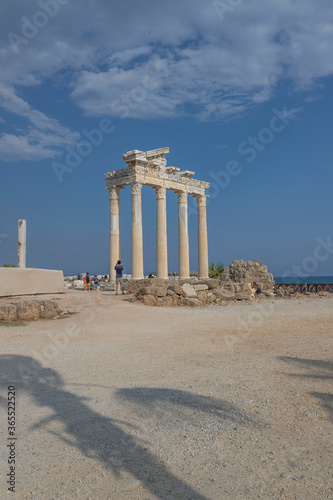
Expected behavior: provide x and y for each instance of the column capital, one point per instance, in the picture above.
(114, 192)
(182, 197)
(136, 188)
(201, 199)
(160, 192)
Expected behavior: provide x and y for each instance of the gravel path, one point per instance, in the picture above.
(123, 401)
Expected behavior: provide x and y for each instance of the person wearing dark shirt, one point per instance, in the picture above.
(119, 277)
(87, 281)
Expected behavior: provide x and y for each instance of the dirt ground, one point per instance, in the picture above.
(123, 401)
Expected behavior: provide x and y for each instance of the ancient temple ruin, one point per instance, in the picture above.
(149, 168)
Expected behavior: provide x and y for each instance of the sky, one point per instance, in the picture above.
(240, 91)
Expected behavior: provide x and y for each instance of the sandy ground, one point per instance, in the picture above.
(123, 401)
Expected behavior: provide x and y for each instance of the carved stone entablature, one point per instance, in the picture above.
(149, 168)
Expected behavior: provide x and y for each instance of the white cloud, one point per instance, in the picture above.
(43, 138)
(153, 59)
(18, 148)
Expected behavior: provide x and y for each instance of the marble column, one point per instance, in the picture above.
(137, 249)
(184, 258)
(21, 241)
(202, 237)
(114, 231)
(161, 234)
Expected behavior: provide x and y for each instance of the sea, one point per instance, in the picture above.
(303, 280)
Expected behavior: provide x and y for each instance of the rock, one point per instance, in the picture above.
(267, 293)
(176, 288)
(249, 272)
(171, 292)
(133, 286)
(187, 301)
(243, 296)
(150, 300)
(223, 294)
(200, 288)
(152, 290)
(189, 291)
(169, 301)
(202, 296)
(28, 310)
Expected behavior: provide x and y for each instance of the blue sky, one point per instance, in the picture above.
(223, 84)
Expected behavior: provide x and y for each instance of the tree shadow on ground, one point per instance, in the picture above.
(96, 436)
(152, 398)
(315, 369)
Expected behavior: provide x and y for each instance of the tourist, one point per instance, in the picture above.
(258, 293)
(96, 282)
(87, 281)
(119, 276)
(106, 279)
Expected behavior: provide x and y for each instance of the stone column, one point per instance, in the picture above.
(184, 258)
(21, 241)
(114, 231)
(202, 237)
(137, 250)
(161, 234)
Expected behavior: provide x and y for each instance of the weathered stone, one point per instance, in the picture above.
(202, 296)
(188, 301)
(152, 290)
(189, 291)
(150, 300)
(176, 288)
(28, 310)
(222, 294)
(200, 288)
(243, 296)
(168, 301)
(133, 286)
(252, 271)
(171, 292)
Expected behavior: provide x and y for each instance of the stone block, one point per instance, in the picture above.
(152, 290)
(191, 302)
(28, 310)
(222, 294)
(189, 291)
(200, 288)
(176, 288)
(24, 281)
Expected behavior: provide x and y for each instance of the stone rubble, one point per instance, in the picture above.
(238, 283)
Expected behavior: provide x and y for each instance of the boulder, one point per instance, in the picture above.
(189, 291)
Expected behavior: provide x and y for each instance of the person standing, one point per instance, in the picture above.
(87, 281)
(119, 277)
